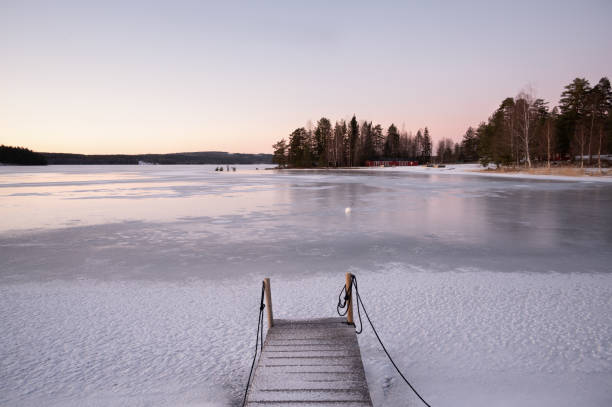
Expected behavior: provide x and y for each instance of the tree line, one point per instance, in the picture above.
(350, 144)
(20, 156)
(524, 130)
(202, 157)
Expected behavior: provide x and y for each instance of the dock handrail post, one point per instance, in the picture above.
(349, 301)
(268, 292)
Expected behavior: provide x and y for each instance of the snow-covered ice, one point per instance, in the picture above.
(139, 285)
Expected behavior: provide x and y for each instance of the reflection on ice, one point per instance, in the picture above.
(167, 222)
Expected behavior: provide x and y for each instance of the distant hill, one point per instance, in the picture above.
(202, 157)
(20, 156)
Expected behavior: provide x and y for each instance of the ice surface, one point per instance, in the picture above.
(139, 285)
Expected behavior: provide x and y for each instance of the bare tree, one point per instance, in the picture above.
(444, 150)
(524, 105)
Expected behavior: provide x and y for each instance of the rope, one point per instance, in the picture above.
(258, 338)
(343, 304)
(343, 301)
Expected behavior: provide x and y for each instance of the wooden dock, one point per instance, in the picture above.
(313, 362)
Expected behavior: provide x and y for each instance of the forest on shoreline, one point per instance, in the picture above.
(24, 156)
(20, 156)
(202, 157)
(524, 130)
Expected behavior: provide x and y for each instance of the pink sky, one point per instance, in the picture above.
(116, 78)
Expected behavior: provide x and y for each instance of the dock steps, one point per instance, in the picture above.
(313, 362)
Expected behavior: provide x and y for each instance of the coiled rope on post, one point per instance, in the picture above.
(343, 302)
(258, 339)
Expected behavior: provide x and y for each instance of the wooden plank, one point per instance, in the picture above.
(313, 362)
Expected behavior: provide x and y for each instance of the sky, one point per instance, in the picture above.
(103, 77)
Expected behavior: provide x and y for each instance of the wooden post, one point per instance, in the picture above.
(349, 313)
(269, 302)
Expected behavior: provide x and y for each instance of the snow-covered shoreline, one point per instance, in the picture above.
(477, 170)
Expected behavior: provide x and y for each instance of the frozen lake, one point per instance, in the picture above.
(138, 285)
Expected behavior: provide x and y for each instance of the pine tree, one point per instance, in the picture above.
(353, 136)
(339, 143)
(378, 139)
(392, 142)
(299, 151)
(573, 106)
(427, 148)
(469, 145)
(280, 153)
(601, 103)
(368, 142)
(322, 136)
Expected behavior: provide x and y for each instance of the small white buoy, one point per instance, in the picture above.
(347, 210)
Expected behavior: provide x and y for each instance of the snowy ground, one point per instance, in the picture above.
(139, 286)
(476, 170)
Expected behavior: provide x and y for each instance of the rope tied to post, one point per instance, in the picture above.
(258, 340)
(342, 312)
(343, 303)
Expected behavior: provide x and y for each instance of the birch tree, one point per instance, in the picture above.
(524, 105)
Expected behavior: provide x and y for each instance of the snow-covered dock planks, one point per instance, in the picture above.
(314, 362)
